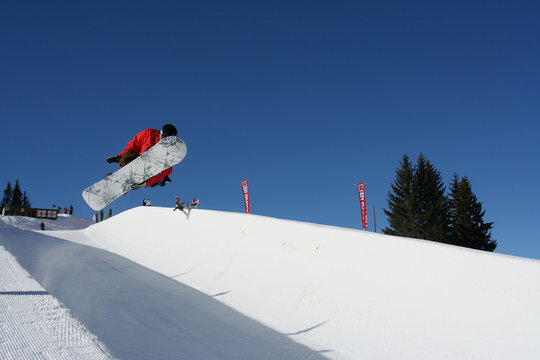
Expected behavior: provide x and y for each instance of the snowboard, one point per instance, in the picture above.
(166, 153)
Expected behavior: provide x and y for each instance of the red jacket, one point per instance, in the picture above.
(142, 142)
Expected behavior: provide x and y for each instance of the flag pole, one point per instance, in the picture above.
(374, 221)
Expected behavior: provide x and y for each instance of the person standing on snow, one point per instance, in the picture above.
(143, 141)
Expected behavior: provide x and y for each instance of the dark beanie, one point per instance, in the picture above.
(168, 130)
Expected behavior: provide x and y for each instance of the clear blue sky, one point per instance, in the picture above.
(302, 98)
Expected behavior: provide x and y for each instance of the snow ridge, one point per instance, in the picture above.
(350, 293)
(344, 294)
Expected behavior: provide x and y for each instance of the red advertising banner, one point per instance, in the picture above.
(363, 206)
(246, 195)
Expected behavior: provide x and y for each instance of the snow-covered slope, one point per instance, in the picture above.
(137, 313)
(33, 323)
(63, 222)
(345, 293)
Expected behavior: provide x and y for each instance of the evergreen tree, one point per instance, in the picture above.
(402, 202)
(433, 211)
(8, 193)
(26, 201)
(14, 197)
(467, 218)
(17, 196)
(418, 207)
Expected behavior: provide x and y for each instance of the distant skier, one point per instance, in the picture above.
(195, 204)
(143, 141)
(180, 206)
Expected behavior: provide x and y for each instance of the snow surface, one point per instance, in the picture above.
(34, 324)
(63, 222)
(149, 283)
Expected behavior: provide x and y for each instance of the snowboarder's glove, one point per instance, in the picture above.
(138, 186)
(113, 159)
(164, 181)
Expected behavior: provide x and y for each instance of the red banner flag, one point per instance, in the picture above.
(246, 195)
(363, 206)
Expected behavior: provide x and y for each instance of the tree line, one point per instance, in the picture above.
(14, 196)
(418, 207)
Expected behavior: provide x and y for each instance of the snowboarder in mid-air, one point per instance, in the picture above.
(143, 141)
(147, 160)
